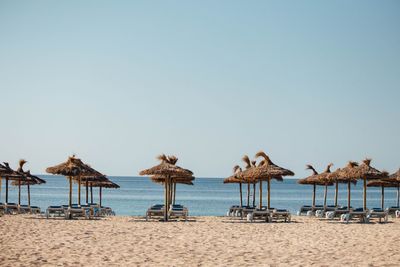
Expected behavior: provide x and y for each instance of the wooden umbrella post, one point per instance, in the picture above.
(241, 194)
(87, 192)
(336, 193)
(383, 198)
(248, 193)
(398, 194)
(313, 197)
(79, 190)
(260, 194)
(365, 194)
(70, 191)
(325, 194)
(254, 194)
(348, 194)
(269, 192)
(91, 193)
(19, 191)
(174, 193)
(6, 190)
(166, 201)
(29, 195)
(100, 195)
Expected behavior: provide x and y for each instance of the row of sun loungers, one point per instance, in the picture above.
(78, 211)
(14, 208)
(175, 212)
(348, 213)
(263, 214)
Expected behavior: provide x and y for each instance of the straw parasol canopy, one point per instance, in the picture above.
(267, 170)
(395, 178)
(74, 168)
(233, 179)
(9, 174)
(313, 180)
(165, 172)
(101, 184)
(382, 184)
(365, 172)
(33, 180)
(341, 175)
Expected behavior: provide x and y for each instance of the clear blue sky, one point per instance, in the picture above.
(118, 82)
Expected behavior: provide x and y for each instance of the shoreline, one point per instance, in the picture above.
(201, 241)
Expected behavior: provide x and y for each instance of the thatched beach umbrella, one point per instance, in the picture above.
(343, 176)
(395, 178)
(268, 170)
(10, 174)
(73, 168)
(311, 180)
(167, 169)
(382, 184)
(103, 184)
(365, 172)
(33, 180)
(234, 180)
(323, 180)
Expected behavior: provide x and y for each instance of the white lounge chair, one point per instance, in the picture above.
(283, 214)
(304, 210)
(58, 211)
(359, 213)
(379, 214)
(178, 211)
(156, 210)
(259, 214)
(11, 208)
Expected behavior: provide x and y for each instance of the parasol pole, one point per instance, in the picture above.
(248, 193)
(6, 189)
(79, 190)
(70, 191)
(336, 192)
(100, 189)
(91, 193)
(313, 197)
(382, 197)
(348, 195)
(254, 194)
(29, 195)
(19, 191)
(241, 194)
(365, 194)
(260, 194)
(174, 192)
(87, 191)
(269, 193)
(325, 193)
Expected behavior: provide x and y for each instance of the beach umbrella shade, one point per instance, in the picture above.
(73, 167)
(167, 169)
(382, 184)
(311, 180)
(342, 175)
(322, 179)
(9, 174)
(234, 179)
(102, 184)
(34, 180)
(366, 172)
(266, 170)
(395, 178)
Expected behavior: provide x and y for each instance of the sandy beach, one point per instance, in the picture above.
(27, 240)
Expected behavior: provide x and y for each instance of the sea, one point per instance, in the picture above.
(207, 197)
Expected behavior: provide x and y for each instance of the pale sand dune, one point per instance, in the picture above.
(204, 241)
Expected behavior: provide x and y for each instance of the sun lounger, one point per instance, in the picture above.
(246, 210)
(59, 211)
(155, 211)
(259, 214)
(35, 209)
(355, 213)
(24, 209)
(283, 214)
(379, 214)
(234, 211)
(392, 210)
(304, 210)
(75, 211)
(11, 208)
(178, 211)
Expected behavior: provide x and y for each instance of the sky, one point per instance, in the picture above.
(119, 82)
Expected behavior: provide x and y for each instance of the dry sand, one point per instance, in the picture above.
(26, 240)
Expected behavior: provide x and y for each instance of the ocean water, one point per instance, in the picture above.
(208, 196)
